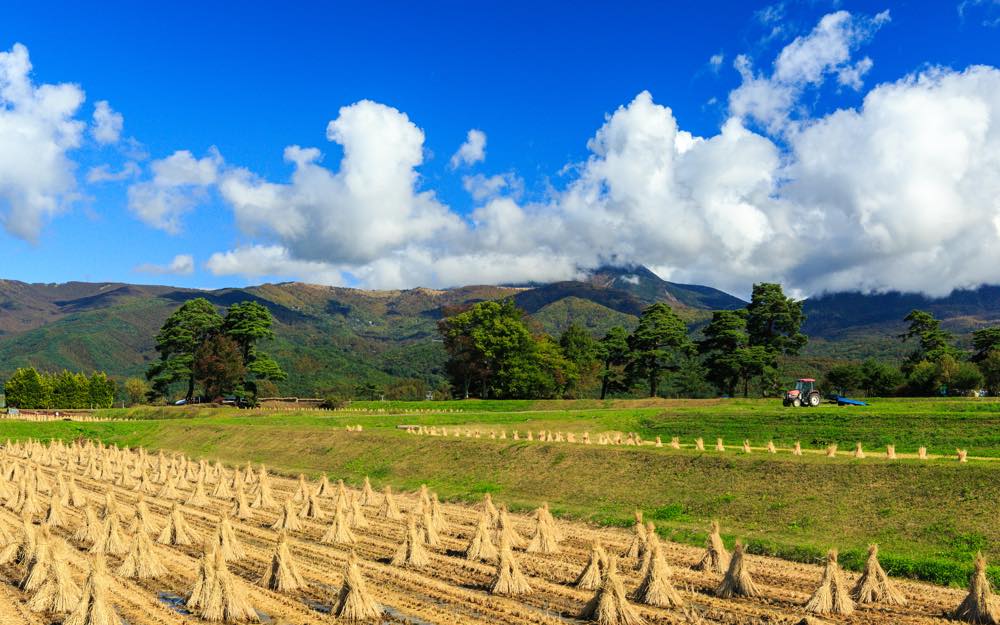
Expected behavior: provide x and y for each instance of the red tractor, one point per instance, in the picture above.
(804, 394)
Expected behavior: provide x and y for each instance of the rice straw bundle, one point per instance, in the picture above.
(282, 575)
(288, 520)
(356, 516)
(656, 588)
(962, 455)
(858, 452)
(227, 600)
(746, 446)
(389, 509)
(203, 580)
(489, 509)
(719, 446)
(411, 552)
(771, 449)
(890, 452)
(429, 531)
(241, 509)
(832, 595)
(544, 539)
(198, 496)
(979, 606)
(339, 532)
(111, 539)
(58, 593)
(324, 489)
(591, 576)
(922, 453)
(177, 532)
(141, 561)
(76, 498)
(263, 499)
(797, 450)
(874, 586)
(90, 531)
(716, 558)
(610, 606)
(506, 531)
(142, 521)
(38, 559)
(55, 517)
(302, 492)
(508, 579)
(737, 582)
(831, 450)
(437, 515)
(699, 444)
(354, 603)
(226, 541)
(93, 608)
(481, 545)
(222, 490)
(367, 494)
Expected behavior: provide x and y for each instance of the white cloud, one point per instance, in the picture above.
(715, 61)
(179, 182)
(107, 125)
(272, 260)
(805, 62)
(900, 193)
(104, 173)
(482, 187)
(472, 151)
(37, 130)
(181, 265)
(364, 210)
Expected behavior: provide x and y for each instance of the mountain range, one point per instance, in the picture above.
(332, 338)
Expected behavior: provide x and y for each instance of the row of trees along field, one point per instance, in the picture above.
(29, 389)
(494, 352)
(200, 347)
(936, 366)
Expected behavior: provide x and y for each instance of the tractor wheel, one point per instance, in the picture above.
(786, 403)
(813, 400)
(796, 402)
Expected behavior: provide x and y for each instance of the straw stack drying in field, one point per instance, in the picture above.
(874, 586)
(719, 446)
(93, 607)
(831, 450)
(858, 452)
(38, 560)
(141, 561)
(979, 606)
(638, 542)
(832, 595)
(356, 516)
(481, 545)
(412, 551)
(111, 540)
(226, 541)
(771, 449)
(609, 605)
(367, 494)
(506, 531)
(142, 521)
(890, 452)
(241, 508)
(508, 579)
(203, 579)
(797, 450)
(282, 574)
(312, 508)
(354, 602)
(699, 444)
(339, 532)
(177, 532)
(226, 600)
(56, 516)
(429, 530)
(656, 588)
(264, 498)
(592, 575)
(58, 593)
(544, 539)
(389, 508)
(289, 520)
(737, 582)
(716, 558)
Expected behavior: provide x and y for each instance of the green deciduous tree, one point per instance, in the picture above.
(990, 367)
(774, 321)
(725, 337)
(880, 379)
(182, 334)
(613, 351)
(135, 391)
(659, 344)
(101, 390)
(26, 389)
(218, 366)
(846, 377)
(933, 342)
(985, 341)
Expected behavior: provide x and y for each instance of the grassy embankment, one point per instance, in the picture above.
(930, 517)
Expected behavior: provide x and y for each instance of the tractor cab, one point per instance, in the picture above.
(804, 394)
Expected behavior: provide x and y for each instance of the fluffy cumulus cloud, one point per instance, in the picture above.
(181, 265)
(38, 127)
(900, 192)
(178, 183)
(472, 151)
(107, 124)
(807, 61)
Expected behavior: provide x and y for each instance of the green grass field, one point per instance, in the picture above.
(930, 517)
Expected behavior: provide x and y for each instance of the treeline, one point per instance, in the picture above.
(30, 390)
(936, 366)
(494, 352)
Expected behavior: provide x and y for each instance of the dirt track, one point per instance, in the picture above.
(450, 590)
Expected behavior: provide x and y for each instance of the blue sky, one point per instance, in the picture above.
(540, 82)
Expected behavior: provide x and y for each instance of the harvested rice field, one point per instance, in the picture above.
(94, 535)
